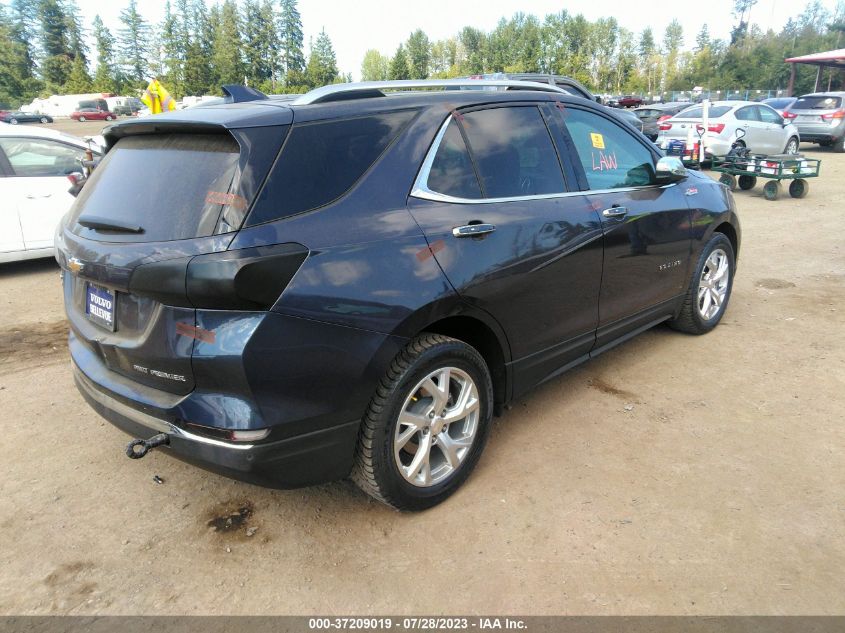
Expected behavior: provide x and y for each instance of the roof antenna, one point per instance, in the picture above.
(238, 94)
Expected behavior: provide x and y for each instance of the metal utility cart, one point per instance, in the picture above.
(743, 171)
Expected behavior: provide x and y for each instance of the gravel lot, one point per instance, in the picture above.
(673, 475)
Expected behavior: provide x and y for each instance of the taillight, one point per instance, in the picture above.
(839, 114)
(789, 115)
(664, 117)
(716, 128)
(247, 279)
(664, 126)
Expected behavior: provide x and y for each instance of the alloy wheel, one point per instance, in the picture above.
(436, 427)
(713, 284)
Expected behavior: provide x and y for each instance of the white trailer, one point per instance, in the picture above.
(63, 105)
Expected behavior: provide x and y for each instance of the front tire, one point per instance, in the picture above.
(709, 289)
(427, 424)
(13, 121)
(44, 119)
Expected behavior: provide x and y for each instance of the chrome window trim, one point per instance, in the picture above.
(421, 190)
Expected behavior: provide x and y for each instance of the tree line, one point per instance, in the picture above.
(193, 51)
(608, 58)
(196, 48)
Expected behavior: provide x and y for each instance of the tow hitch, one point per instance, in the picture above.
(136, 449)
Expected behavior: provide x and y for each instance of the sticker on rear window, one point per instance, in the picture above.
(228, 199)
(598, 140)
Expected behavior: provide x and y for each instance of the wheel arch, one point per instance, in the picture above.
(492, 345)
(728, 230)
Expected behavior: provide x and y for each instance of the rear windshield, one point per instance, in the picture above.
(817, 103)
(321, 161)
(697, 112)
(778, 103)
(174, 186)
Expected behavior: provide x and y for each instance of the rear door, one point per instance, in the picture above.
(756, 137)
(39, 184)
(646, 227)
(535, 262)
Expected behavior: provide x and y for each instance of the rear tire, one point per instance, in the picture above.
(839, 145)
(713, 276)
(82, 118)
(44, 119)
(13, 121)
(409, 413)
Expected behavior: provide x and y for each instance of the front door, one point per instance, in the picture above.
(534, 259)
(646, 227)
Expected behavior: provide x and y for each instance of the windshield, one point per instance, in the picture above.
(697, 112)
(817, 103)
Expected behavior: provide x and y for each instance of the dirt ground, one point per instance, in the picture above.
(673, 475)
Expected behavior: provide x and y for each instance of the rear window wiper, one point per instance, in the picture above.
(104, 224)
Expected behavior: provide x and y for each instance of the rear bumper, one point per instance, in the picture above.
(304, 460)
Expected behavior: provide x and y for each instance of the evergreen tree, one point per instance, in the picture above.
(56, 63)
(172, 45)
(399, 65)
(227, 63)
(199, 49)
(258, 42)
(322, 63)
(105, 78)
(79, 81)
(134, 43)
(290, 43)
(473, 41)
(419, 54)
(77, 47)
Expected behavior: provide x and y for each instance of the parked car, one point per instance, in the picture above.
(34, 169)
(629, 101)
(779, 104)
(92, 114)
(820, 118)
(268, 300)
(17, 116)
(764, 131)
(651, 115)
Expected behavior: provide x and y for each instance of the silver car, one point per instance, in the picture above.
(820, 118)
(753, 125)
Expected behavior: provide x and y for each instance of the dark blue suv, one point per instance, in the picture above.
(351, 283)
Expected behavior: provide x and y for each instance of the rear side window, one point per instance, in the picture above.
(322, 161)
(452, 172)
(612, 157)
(513, 152)
(40, 157)
(817, 103)
(174, 186)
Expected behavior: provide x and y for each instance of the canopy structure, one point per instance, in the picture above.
(830, 59)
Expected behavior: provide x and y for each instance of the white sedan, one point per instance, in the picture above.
(750, 124)
(34, 168)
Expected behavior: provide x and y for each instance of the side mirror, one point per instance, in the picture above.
(669, 169)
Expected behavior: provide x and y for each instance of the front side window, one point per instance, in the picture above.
(767, 115)
(610, 155)
(513, 152)
(39, 157)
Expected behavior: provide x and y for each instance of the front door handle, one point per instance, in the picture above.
(615, 212)
(33, 196)
(473, 230)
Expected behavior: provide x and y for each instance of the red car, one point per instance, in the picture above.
(630, 101)
(92, 114)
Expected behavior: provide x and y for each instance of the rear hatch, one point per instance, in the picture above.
(687, 122)
(816, 113)
(168, 195)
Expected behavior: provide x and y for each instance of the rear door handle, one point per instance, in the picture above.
(615, 212)
(473, 230)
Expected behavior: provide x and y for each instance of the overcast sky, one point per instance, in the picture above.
(357, 25)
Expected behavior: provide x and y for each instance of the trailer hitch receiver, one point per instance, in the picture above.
(136, 449)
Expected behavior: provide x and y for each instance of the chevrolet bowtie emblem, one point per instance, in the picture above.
(75, 265)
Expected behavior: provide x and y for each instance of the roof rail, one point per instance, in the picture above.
(367, 89)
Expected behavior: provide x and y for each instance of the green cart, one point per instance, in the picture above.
(743, 171)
